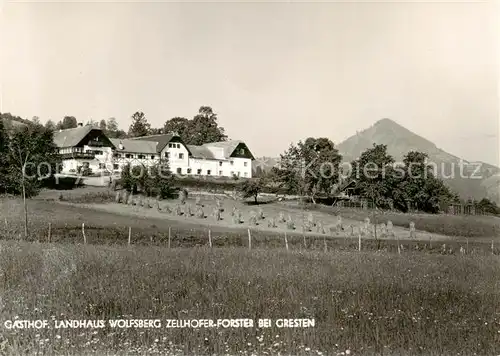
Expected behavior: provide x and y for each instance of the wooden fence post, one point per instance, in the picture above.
(249, 240)
(286, 242)
(210, 238)
(83, 232)
(129, 235)
(50, 231)
(169, 236)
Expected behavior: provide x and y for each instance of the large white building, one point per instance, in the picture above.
(87, 146)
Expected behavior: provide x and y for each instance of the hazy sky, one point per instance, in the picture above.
(274, 72)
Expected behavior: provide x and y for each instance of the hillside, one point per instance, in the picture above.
(400, 141)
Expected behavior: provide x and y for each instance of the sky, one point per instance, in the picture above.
(275, 73)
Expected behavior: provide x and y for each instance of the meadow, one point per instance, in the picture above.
(363, 303)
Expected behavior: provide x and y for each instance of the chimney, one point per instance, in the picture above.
(120, 146)
(80, 124)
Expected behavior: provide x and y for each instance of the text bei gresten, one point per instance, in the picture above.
(156, 323)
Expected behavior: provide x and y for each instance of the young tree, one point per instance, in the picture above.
(32, 156)
(252, 187)
(140, 126)
(4, 149)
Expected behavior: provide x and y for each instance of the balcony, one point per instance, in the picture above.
(78, 155)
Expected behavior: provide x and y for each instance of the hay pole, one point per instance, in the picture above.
(359, 242)
(286, 242)
(83, 232)
(50, 232)
(169, 236)
(209, 238)
(249, 240)
(129, 235)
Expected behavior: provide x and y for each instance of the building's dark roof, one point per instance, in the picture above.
(135, 146)
(72, 137)
(162, 140)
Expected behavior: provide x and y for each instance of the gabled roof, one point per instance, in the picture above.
(72, 137)
(162, 140)
(216, 150)
(135, 146)
(201, 152)
(226, 148)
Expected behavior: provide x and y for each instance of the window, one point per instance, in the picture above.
(141, 157)
(232, 163)
(128, 155)
(166, 155)
(220, 173)
(179, 170)
(169, 145)
(208, 172)
(245, 163)
(242, 151)
(239, 174)
(189, 170)
(115, 166)
(232, 173)
(152, 157)
(102, 166)
(198, 171)
(181, 155)
(178, 145)
(117, 155)
(245, 174)
(220, 163)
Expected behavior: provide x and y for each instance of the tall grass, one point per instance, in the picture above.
(363, 302)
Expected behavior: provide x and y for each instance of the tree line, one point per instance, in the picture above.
(313, 168)
(202, 128)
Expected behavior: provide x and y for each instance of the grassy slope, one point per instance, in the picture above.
(367, 303)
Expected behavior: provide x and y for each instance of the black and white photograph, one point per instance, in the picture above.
(249, 178)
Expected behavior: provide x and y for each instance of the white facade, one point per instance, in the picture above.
(203, 160)
(98, 159)
(178, 157)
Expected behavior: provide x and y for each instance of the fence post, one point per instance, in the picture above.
(169, 236)
(210, 238)
(83, 232)
(50, 231)
(249, 240)
(129, 235)
(286, 242)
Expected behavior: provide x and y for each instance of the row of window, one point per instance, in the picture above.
(208, 171)
(174, 145)
(179, 170)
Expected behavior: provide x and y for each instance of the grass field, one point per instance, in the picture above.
(367, 303)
